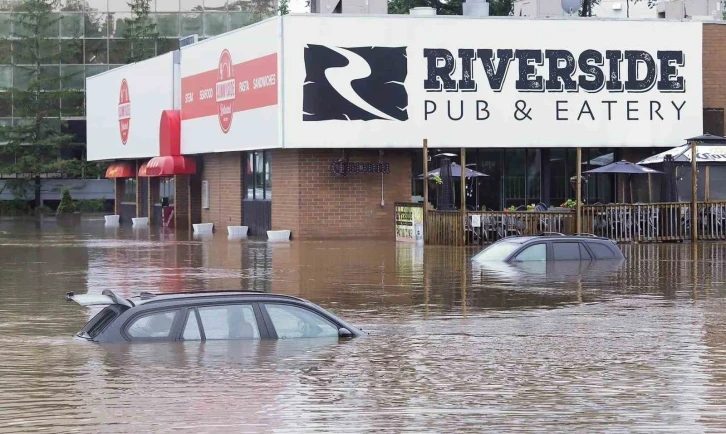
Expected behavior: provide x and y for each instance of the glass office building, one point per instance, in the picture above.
(91, 42)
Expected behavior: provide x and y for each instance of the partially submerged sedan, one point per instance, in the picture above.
(200, 316)
(550, 248)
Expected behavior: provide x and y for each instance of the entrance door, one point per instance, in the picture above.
(257, 203)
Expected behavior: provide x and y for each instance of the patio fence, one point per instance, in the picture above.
(655, 222)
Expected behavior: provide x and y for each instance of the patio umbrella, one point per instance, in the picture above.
(456, 172)
(624, 168)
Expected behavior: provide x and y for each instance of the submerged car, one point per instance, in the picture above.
(202, 316)
(551, 248)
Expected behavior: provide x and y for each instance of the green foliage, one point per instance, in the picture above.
(14, 207)
(140, 32)
(570, 203)
(33, 143)
(66, 204)
(284, 8)
(90, 205)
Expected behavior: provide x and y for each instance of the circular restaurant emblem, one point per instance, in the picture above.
(225, 91)
(124, 111)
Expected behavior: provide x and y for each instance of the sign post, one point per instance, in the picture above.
(694, 194)
(425, 185)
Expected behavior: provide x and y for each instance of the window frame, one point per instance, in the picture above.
(261, 323)
(548, 252)
(266, 162)
(173, 332)
(595, 257)
(576, 243)
(271, 326)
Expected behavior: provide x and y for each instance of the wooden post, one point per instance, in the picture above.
(463, 196)
(650, 190)
(425, 186)
(694, 194)
(578, 193)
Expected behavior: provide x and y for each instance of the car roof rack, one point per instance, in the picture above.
(585, 234)
(549, 234)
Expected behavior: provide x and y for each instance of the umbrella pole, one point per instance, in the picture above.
(694, 194)
(578, 193)
(650, 191)
(425, 184)
(463, 195)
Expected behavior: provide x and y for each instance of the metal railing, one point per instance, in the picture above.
(624, 223)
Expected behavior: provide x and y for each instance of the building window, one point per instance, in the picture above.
(166, 191)
(205, 194)
(258, 176)
(129, 190)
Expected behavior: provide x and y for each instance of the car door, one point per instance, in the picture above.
(531, 253)
(290, 321)
(223, 321)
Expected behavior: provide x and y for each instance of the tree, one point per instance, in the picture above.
(33, 143)
(140, 32)
(66, 205)
(284, 8)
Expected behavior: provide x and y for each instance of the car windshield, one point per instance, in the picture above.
(497, 252)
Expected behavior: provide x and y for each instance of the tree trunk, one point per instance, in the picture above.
(37, 192)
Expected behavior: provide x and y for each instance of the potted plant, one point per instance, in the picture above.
(434, 181)
(569, 203)
(66, 212)
(531, 207)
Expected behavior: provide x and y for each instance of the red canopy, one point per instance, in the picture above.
(170, 166)
(142, 170)
(121, 170)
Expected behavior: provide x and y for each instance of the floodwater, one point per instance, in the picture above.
(638, 346)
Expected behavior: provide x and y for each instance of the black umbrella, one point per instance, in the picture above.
(624, 168)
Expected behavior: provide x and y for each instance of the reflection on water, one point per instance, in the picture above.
(455, 346)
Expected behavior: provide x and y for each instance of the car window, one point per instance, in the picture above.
(295, 322)
(584, 254)
(191, 329)
(536, 252)
(497, 252)
(601, 251)
(566, 251)
(154, 325)
(235, 321)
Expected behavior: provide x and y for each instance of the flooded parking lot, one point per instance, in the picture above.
(638, 346)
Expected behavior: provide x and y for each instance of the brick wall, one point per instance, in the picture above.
(285, 190)
(223, 171)
(314, 204)
(118, 194)
(714, 66)
(181, 202)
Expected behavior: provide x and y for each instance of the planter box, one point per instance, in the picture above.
(203, 228)
(69, 218)
(237, 231)
(278, 235)
(112, 219)
(140, 221)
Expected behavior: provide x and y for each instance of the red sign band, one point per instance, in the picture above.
(230, 88)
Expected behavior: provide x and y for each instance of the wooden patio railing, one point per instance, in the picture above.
(655, 222)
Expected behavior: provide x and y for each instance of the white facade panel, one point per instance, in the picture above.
(230, 91)
(357, 82)
(124, 108)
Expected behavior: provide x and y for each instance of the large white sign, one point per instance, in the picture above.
(391, 82)
(229, 91)
(124, 108)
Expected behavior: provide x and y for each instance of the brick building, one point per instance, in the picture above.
(314, 124)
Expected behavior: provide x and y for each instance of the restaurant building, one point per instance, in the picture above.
(315, 124)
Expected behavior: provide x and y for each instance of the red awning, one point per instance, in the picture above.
(142, 170)
(170, 166)
(121, 170)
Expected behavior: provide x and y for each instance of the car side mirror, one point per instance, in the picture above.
(344, 333)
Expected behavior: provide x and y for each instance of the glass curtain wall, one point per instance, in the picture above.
(90, 34)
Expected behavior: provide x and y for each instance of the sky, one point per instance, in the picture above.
(298, 7)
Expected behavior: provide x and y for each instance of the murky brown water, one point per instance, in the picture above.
(638, 347)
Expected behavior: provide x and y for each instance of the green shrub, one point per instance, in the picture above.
(66, 204)
(91, 205)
